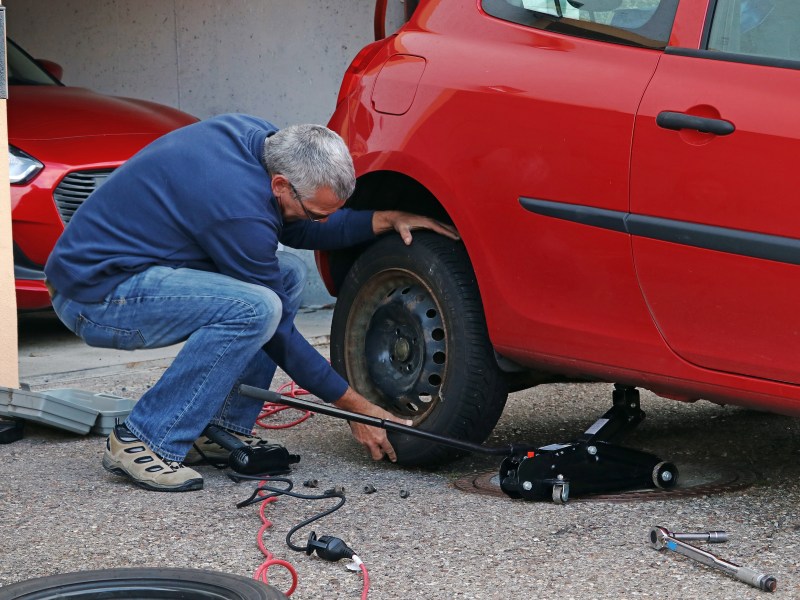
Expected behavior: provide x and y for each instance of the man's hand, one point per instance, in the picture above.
(372, 438)
(403, 223)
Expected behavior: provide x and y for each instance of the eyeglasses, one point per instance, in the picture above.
(312, 216)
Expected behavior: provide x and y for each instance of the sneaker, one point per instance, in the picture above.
(130, 457)
(207, 451)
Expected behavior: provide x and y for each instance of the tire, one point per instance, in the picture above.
(408, 332)
(137, 583)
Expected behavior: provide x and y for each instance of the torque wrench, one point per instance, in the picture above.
(661, 538)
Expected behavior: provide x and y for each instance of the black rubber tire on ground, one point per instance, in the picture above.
(409, 333)
(139, 583)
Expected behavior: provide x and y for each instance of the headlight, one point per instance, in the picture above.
(21, 167)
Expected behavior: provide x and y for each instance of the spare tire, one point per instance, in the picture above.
(139, 583)
(409, 333)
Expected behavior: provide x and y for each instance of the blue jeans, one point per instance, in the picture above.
(224, 322)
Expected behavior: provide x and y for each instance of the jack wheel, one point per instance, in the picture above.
(137, 583)
(561, 493)
(665, 475)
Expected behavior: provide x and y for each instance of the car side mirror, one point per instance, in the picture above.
(53, 68)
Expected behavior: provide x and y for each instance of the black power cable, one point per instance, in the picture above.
(327, 547)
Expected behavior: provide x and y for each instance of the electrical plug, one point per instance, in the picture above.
(328, 547)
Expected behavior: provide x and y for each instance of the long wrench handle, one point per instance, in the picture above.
(332, 411)
(660, 538)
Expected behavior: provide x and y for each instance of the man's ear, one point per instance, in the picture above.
(278, 184)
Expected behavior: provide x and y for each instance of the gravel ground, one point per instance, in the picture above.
(62, 512)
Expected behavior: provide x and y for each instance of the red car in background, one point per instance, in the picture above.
(63, 143)
(622, 174)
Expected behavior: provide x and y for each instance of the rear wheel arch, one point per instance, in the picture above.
(393, 190)
(408, 328)
(382, 190)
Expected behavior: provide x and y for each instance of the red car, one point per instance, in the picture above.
(622, 177)
(63, 143)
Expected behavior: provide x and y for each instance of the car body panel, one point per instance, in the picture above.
(690, 23)
(43, 112)
(507, 119)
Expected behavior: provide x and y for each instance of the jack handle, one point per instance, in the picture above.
(332, 411)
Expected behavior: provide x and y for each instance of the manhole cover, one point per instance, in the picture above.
(694, 480)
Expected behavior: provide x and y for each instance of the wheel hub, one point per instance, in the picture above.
(402, 349)
(406, 351)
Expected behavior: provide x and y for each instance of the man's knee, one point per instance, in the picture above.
(268, 309)
(262, 309)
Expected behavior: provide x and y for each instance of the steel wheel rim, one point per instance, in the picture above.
(396, 344)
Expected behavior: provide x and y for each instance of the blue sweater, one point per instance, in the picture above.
(200, 198)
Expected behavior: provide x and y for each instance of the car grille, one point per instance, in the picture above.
(75, 188)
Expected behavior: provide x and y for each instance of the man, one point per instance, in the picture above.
(181, 244)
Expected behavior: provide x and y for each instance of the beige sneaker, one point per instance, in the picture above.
(130, 457)
(205, 451)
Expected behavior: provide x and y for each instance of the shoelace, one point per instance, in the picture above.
(174, 465)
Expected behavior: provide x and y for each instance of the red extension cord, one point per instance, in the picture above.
(292, 390)
(270, 409)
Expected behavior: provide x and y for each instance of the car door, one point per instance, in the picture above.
(555, 85)
(715, 215)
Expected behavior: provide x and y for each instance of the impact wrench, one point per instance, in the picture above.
(661, 538)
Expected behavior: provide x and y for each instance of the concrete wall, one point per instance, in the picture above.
(279, 59)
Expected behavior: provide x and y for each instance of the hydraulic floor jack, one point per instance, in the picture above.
(591, 464)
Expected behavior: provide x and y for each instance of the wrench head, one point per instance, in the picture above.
(658, 537)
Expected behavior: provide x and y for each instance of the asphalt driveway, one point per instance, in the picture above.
(62, 512)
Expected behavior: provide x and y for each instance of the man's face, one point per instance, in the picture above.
(316, 207)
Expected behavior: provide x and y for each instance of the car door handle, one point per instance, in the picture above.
(678, 121)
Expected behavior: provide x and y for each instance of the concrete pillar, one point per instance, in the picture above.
(9, 369)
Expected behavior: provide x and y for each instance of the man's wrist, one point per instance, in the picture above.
(382, 221)
(350, 401)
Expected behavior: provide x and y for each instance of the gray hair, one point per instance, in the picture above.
(311, 157)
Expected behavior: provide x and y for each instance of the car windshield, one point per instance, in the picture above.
(24, 70)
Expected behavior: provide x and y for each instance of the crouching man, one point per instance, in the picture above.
(181, 245)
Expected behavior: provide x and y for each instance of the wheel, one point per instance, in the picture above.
(139, 583)
(408, 332)
(561, 493)
(665, 475)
